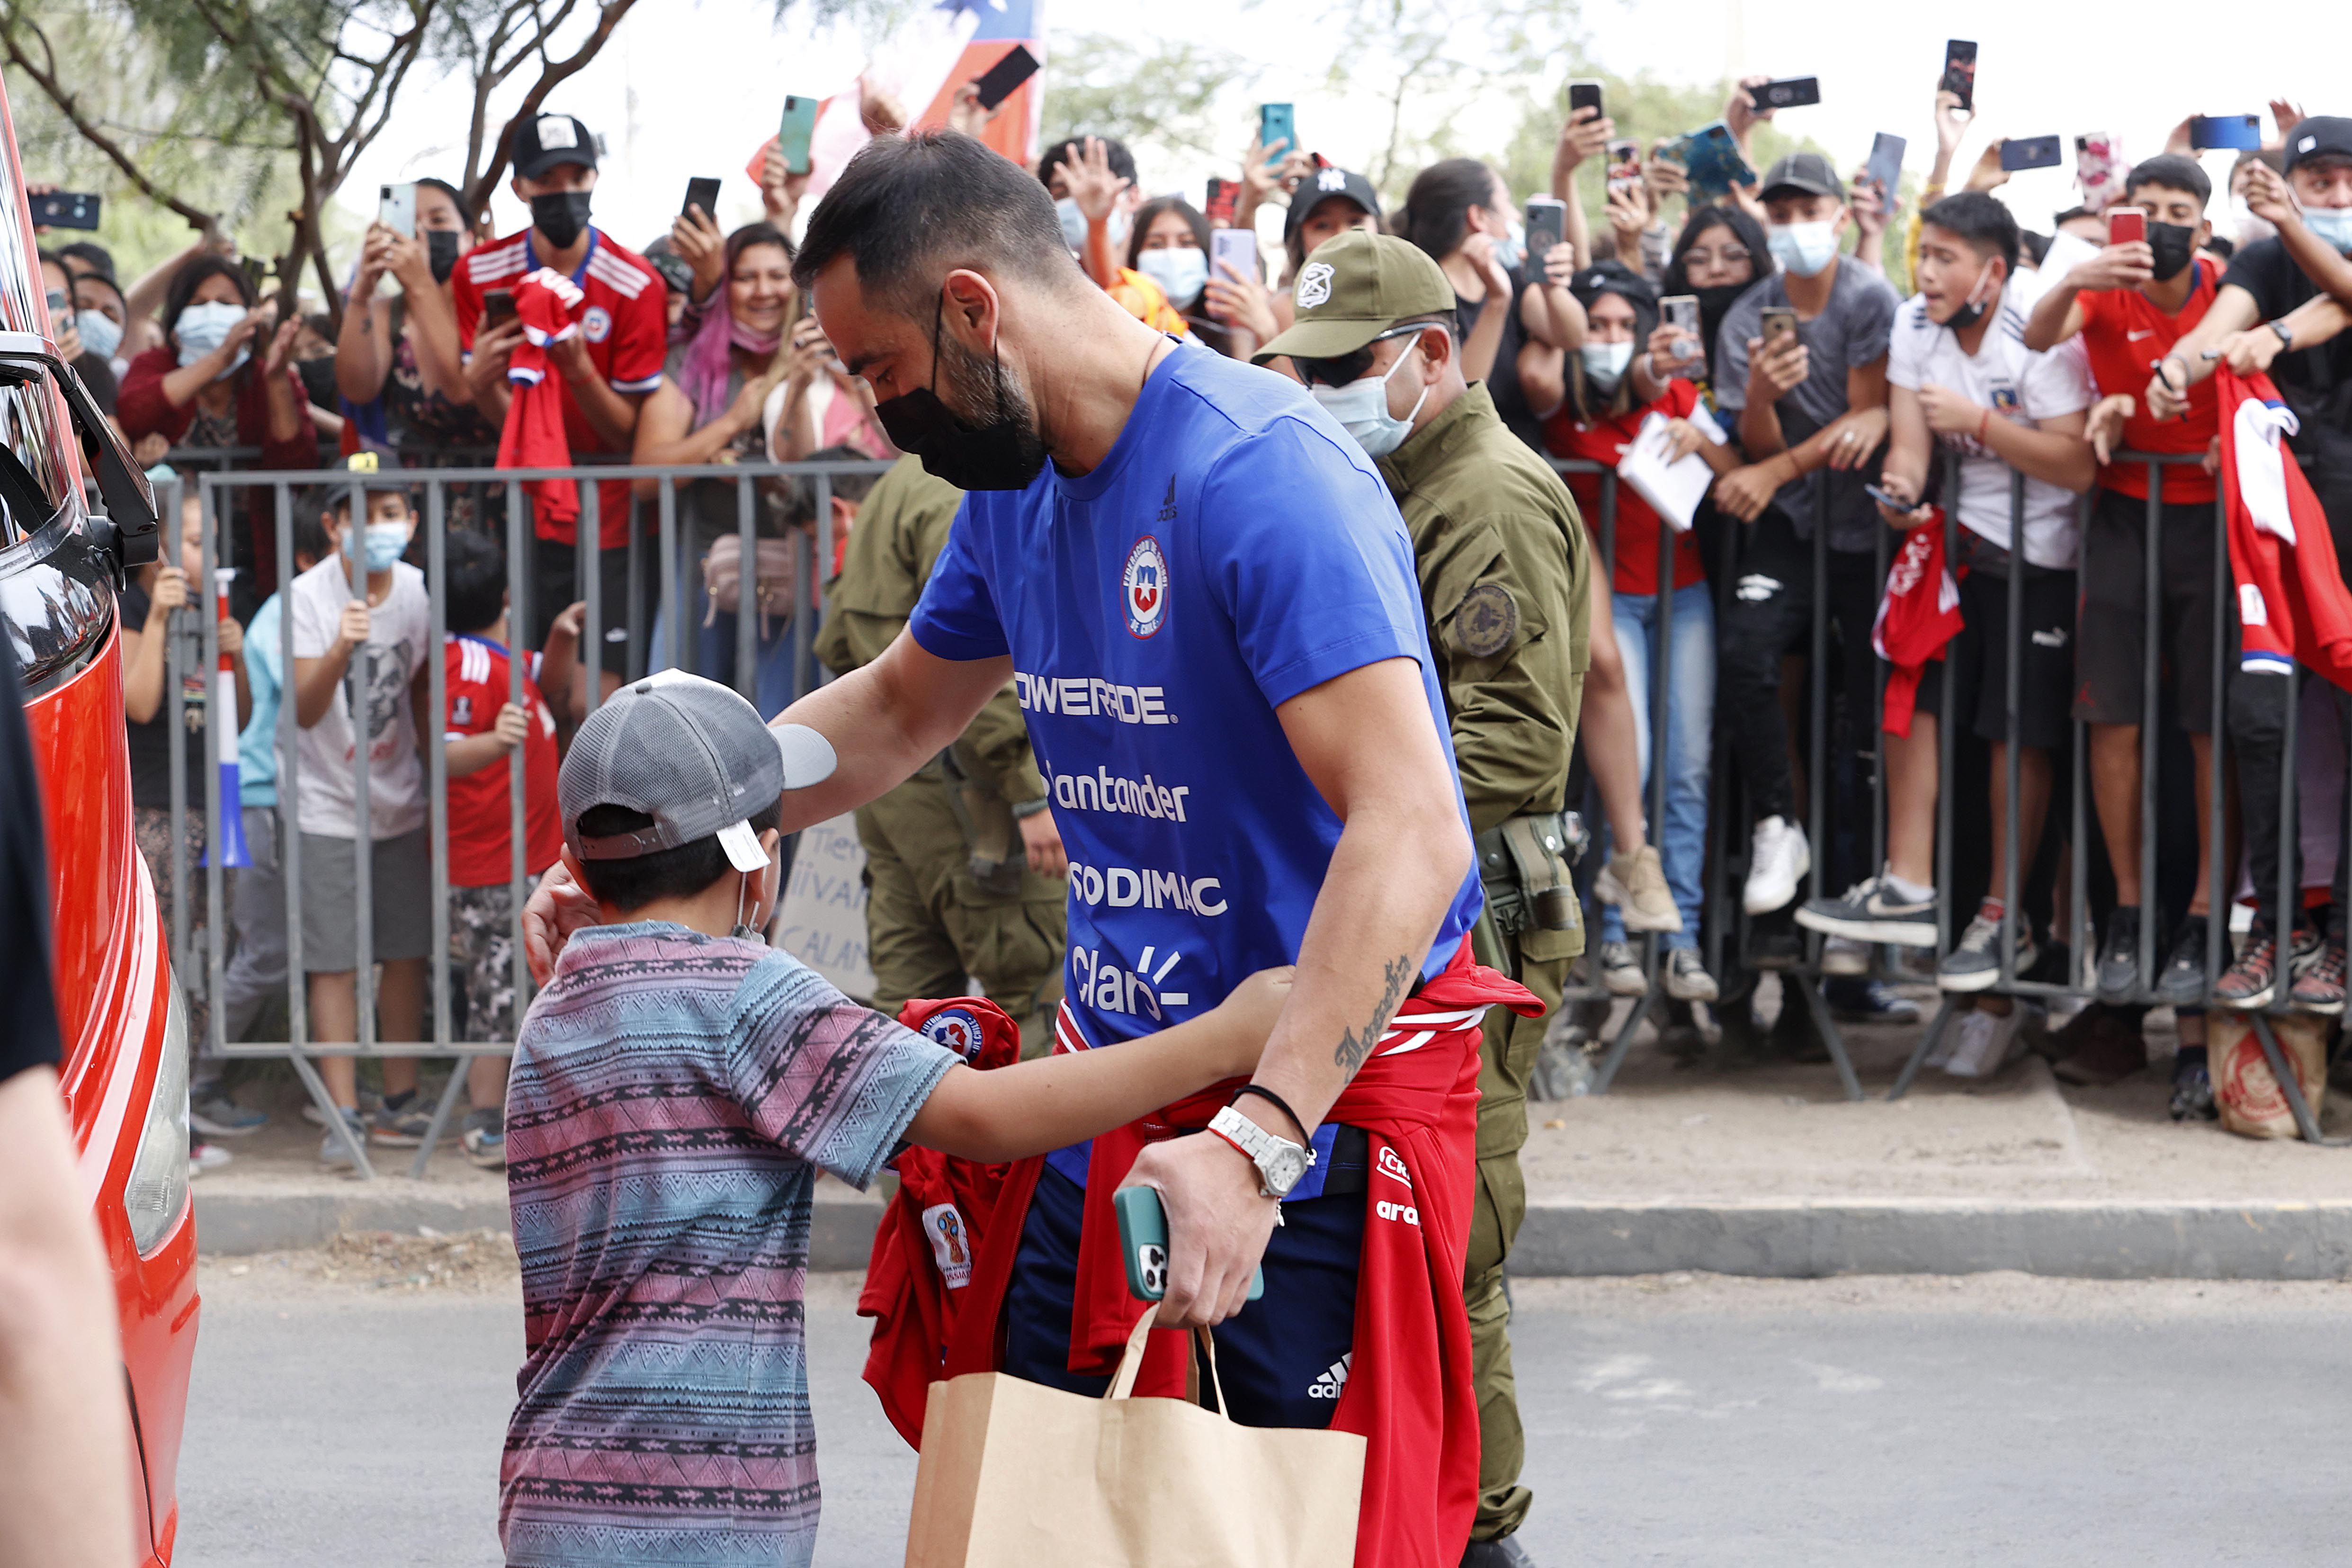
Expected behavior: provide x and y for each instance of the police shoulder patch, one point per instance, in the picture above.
(1487, 620)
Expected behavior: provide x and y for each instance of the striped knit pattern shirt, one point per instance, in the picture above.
(672, 1097)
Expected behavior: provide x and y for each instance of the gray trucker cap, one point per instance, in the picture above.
(693, 755)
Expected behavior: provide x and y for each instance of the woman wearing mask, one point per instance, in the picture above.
(1719, 253)
(223, 378)
(1647, 888)
(397, 365)
(1170, 245)
(103, 318)
(1460, 215)
(709, 408)
(65, 330)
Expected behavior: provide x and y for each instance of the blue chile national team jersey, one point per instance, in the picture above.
(1235, 549)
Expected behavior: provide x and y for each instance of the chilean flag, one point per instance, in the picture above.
(930, 58)
(221, 726)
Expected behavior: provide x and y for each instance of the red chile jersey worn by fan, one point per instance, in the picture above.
(1233, 549)
(625, 322)
(481, 810)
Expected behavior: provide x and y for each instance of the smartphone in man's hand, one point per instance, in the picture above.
(1885, 169)
(1960, 72)
(497, 307)
(1779, 322)
(1624, 165)
(996, 84)
(1789, 92)
(2126, 226)
(1276, 130)
(2020, 152)
(794, 133)
(702, 193)
(1582, 94)
(2237, 132)
(65, 209)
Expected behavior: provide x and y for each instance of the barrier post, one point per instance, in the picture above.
(589, 537)
(436, 762)
(747, 595)
(359, 678)
(518, 868)
(1805, 980)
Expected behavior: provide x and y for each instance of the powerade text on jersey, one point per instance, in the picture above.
(1235, 549)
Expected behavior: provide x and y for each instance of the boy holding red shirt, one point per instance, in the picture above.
(483, 728)
(2132, 303)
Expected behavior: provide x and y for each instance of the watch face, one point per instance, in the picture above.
(1284, 1166)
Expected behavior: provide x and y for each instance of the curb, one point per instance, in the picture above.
(1804, 1240)
(233, 1224)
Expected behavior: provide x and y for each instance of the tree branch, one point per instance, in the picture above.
(552, 76)
(45, 77)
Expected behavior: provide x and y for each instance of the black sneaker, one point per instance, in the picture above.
(1874, 911)
(2320, 989)
(2192, 1096)
(1854, 1000)
(2119, 972)
(2181, 982)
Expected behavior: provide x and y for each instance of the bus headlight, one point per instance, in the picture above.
(157, 1191)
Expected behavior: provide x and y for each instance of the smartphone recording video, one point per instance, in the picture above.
(1000, 80)
(2126, 226)
(2236, 132)
(1790, 92)
(1582, 94)
(1547, 220)
(1960, 72)
(2020, 152)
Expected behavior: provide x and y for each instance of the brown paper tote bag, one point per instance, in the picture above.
(1017, 1475)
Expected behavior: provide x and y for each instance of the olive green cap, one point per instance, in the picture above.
(1355, 287)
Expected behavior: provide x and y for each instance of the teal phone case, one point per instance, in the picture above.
(1143, 1244)
(799, 124)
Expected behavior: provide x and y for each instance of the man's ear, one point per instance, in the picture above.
(1437, 350)
(845, 515)
(972, 309)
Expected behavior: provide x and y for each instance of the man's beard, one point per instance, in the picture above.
(981, 393)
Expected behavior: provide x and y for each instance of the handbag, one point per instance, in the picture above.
(1017, 1475)
(722, 578)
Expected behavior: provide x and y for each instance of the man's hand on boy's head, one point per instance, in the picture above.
(559, 907)
(1252, 1007)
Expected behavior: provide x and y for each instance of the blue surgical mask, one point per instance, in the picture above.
(1604, 364)
(1511, 252)
(203, 328)
(1182, 271)
(2333, 225)
(387, 544)
(1805, 248)
(1073, 225)
(1361, 407)
(100, 335)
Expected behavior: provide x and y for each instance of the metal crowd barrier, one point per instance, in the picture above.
(218, 491)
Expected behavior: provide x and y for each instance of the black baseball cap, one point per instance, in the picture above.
(1614, 278)
(544, 141)
(1321, 186)
(2321, 136)
(1805, 173)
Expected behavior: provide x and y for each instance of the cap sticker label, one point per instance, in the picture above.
(1144, 586)
(1314, 284)
(2307, 144)
(555, 131)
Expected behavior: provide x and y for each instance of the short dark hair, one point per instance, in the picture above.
(1436, 211)
(910, 208)
(800, 491)
(192, 275)
(474, 584)
(1148, 214)
(1073, 149)
(100, 258)
(2222, 247)
(1981, 221)
(336, 501)
(2174, 172)
(679, 873)
(310, 535)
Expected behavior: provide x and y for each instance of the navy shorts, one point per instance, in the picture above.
(1281, 1359)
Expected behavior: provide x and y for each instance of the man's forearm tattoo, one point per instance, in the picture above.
(1356, 1045)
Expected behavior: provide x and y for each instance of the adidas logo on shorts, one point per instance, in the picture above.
(1333, 1380)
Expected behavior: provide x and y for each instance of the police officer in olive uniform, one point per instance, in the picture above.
(965, 865)
(1502, 561)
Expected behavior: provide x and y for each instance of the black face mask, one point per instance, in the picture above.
(2175, 246)
(1714, 304)
(441, 250)
(1972, 311)
(1005, 454)
(319, 381)
(560, 216)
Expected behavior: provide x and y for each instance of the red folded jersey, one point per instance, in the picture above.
(549, 306)
(1918, 614)
(2291, 602)
(923, 1250)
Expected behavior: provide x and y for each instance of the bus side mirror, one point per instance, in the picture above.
(130, 499)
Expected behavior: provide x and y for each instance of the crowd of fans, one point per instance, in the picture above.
(1757, 321)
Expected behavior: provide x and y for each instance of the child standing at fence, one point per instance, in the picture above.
(387, 633)
(483, 729)
(160, 604)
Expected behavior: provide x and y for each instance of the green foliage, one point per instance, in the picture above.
(1161, 97)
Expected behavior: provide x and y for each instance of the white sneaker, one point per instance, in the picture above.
(1843, 955)
(1988, 1042)
(1780, 862)
(203, 1156)
(1686, 976)
(1636, 885)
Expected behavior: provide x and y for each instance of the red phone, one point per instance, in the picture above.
(2127, 225)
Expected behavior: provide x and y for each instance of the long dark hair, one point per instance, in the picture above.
(1148, 214)
(1436, 211)
(1749, 231)
(191, 277)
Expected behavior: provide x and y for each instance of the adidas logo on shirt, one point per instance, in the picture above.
(1333, 1380)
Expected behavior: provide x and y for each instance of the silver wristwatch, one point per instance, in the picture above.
(1279, 1162)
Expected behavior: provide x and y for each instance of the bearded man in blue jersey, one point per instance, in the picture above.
(1205, 602)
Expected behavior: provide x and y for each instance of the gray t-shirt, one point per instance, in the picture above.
(1851, 331)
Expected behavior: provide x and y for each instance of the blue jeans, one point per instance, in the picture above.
(1681, 839)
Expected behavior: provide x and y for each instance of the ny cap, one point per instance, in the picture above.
(544, 141)
(1329, 185)
(693, 755)
(2321, 136)
(1808, 174)
(1355, 287)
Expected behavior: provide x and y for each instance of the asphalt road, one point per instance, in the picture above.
(1671, 1421)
